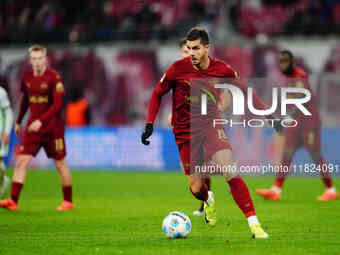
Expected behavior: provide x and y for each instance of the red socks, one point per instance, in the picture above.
(16, 190)
(241, 195)
(202, 194)
(286, 163)
(17, 187)
(325, 174)
(67, 192)
(281, 176)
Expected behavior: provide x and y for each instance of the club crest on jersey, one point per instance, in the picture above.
(28, 84)
(187, 82)
(60, 87)
(43, 85)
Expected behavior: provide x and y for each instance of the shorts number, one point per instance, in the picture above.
(221, 134)
(310, 138)
(59, 144)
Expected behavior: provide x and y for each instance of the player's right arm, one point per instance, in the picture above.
(24, 104)
(163, 87)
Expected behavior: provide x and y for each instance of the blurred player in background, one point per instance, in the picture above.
(184, 52)
(42, 93)
(209, 142)
(307, 133)
(6, 124)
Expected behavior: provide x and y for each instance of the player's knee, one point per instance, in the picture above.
(21, 164)
(61, 165)
(196, 186)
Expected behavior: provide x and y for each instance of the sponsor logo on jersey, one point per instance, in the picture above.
(187, 82)
(39, 99)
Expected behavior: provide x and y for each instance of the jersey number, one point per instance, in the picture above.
(59, 144)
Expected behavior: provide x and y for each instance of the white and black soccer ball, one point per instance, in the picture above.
(176, 225)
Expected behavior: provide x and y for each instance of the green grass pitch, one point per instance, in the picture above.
(122, 212)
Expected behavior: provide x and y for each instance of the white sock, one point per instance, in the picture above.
(276, 189)
(331, 190)
(252, 220)
(210, 198)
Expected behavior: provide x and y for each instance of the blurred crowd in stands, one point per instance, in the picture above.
(98, 20)
(114, 88)
(286, 17)
(23, 21)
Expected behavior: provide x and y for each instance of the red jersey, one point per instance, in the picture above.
(180, 77)
(43, 96)
(299, 79)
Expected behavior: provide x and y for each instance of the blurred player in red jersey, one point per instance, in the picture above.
(211, 140)
(42, 92)
(184, 53)
(307, 133)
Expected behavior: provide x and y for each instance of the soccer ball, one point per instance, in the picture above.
(176, 225)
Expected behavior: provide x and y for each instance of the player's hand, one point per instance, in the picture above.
(17, 129)
(5, 138)
(35, 126)
(147, 133)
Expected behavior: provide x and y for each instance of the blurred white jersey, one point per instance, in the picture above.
(6, 120)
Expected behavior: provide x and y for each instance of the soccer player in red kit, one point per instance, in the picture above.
(212, 141)
(184, 52)
(307, 133)
(42, 93)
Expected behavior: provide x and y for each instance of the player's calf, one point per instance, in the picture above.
(66, 181)
(200, 190)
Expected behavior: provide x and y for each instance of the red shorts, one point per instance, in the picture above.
(199, 148)
(53, 144)
(307, 134)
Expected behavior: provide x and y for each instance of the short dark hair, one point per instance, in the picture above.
(182, 42)
(288, 53)
(198, 33)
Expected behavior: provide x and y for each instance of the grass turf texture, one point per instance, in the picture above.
(121, 213)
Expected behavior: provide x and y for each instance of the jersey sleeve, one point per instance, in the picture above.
(57, 95)
(163, 87)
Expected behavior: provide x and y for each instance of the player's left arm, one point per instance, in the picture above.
(258, 103)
